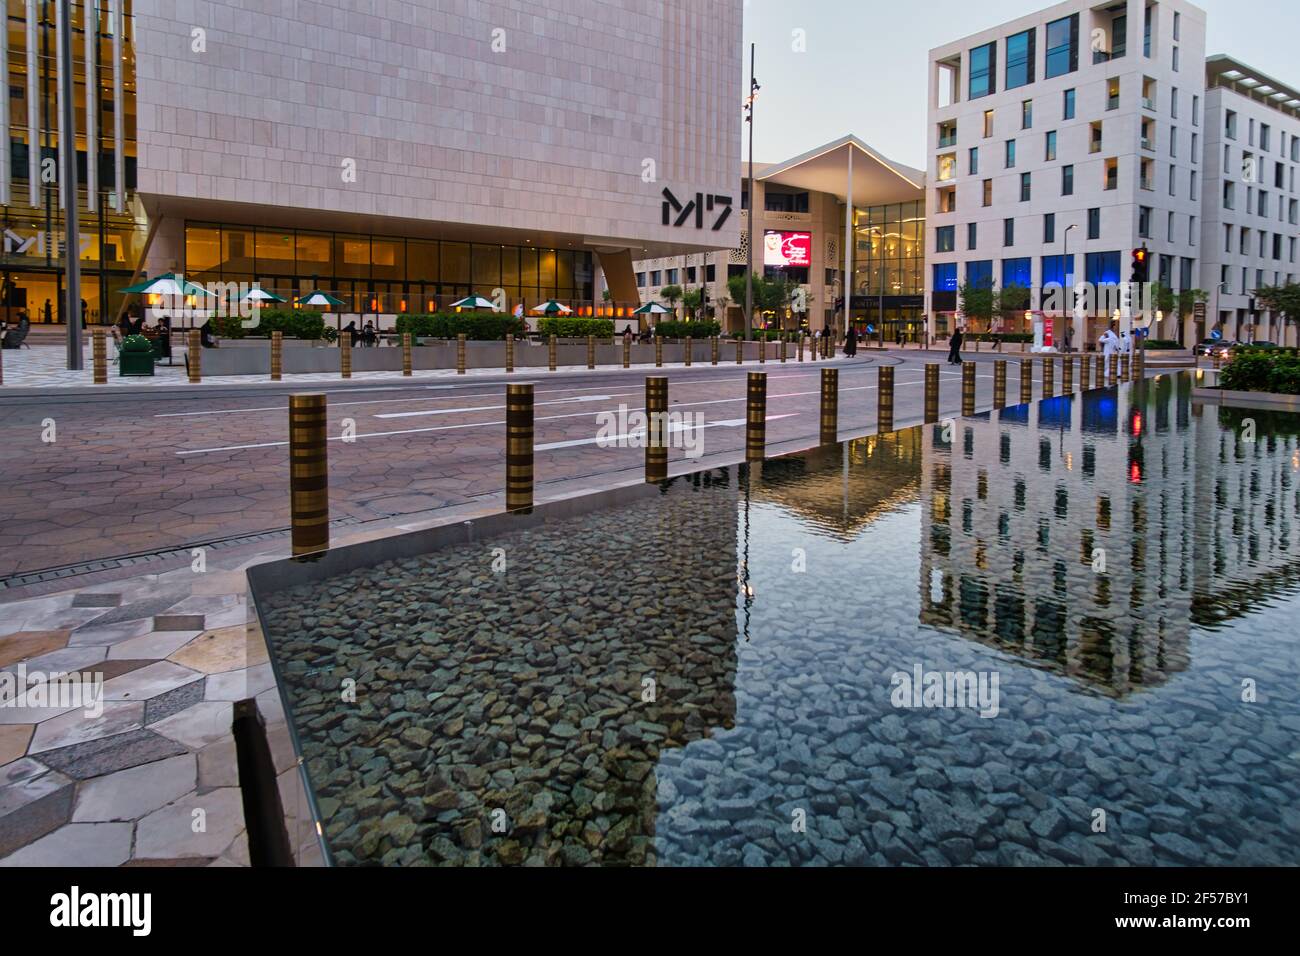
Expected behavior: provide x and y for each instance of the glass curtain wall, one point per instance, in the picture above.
(111, 237)
(888, 270)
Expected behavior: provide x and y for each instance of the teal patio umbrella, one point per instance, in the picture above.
(473, 302)
(258, 294)
(551, 307)
(651, 308)
(318, 298)
(166, 284)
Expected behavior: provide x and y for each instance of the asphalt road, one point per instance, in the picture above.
(128, 474)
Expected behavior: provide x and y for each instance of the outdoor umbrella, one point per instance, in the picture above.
(651, 308)
(474, 302)
(258, 294)
(167, 284)
(319, 298)
(551, 307)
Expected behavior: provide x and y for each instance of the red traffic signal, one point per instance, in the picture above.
(1141, 267)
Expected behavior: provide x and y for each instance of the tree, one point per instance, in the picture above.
(1281, 298)
(1012, 298)
(672, 294)
(978, 301)
(692, 300)
(770, 295)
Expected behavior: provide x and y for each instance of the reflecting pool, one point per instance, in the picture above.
(1059, 633)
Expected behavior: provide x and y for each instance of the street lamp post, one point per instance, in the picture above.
(749, 263)
(68, 186)
(1068, 277)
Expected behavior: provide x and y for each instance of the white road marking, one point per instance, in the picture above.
(490, 408)
(638, 432)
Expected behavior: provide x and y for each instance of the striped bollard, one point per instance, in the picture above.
(1000, 383)
(510, 352)
(195, 353)
(460, 353)
(627, 351)
(690, 346)
(519, 447)
(1067, 375)
(931, 392)
(740, 351)
(1099, 367)
(345, 355)
(830, 420)
(1026, 381)
(1123, 368)
(659, 351)
(762, 349)
(277, 356)
(801, 346)
(656, 415)
(100, 357)
(756, 416)
(1112, 369)
(1049, 377)
(1084, 374)
(968, 388)
(830, 346)
(713, 348)
(784, 345)
(591, 352)
(550, 353)
(1140, 363)
(885, 400)
(309, 497)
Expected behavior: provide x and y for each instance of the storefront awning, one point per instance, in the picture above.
(876, 180)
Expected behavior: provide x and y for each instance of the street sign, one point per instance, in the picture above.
(1216, 335)
(1198, 311)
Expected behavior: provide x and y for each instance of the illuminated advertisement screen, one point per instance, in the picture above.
(787, 249)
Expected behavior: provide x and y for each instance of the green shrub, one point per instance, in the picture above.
(772, 335)
(136, 343)
(1162, 344)
(476, 326)
(1262, 370)
(1001, 336)
(697, 330)
(306, 324)
(575, 327)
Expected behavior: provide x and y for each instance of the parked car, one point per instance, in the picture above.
(1210, 347)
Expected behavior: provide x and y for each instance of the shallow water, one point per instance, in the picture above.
(719, 674)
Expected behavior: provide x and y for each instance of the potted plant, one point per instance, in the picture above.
(136, 357)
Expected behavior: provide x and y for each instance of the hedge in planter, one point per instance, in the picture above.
(306, 324)
(1262, 371)
(477, 326)
(136, 357)
(575, 327)
(704, 329)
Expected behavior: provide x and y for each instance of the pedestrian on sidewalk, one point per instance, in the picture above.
(851, 342)
(954, 347)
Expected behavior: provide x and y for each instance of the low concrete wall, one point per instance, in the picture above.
(1264, 400)
(253, 357)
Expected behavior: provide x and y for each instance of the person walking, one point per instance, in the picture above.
(954, 347)
(1109, 345)
(851, 342)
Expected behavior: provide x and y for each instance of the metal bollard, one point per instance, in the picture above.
(1000, 383)
(931, 392)
(830, 423)
(510, 352)
(1026, 381)
(756, 416)
(1123, 368)
(740, 351)
(1049, 377)
(689, 346)
(713, 348)
(830, 346)
(277, 357)
(885, 400)
(519, 447)
(784, 347)
(591, 352)
(659, 351)
(1112, 369)
(1067, 375)
(1084, 374)
(968, 388)
(801, 346)
(195, 356)
(309, 498)
(550, 352)
(1099, 367)
(345, 355)
(408, 365)
(627, 351)
(762, 348)
(656, 413)
(460, 353)
(100, 347)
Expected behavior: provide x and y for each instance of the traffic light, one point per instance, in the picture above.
(1141, 265)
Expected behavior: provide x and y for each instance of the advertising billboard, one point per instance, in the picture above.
(787, 249)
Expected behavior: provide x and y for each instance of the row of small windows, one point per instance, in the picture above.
(1099, 268)
(1265, 136)
(1266, 242)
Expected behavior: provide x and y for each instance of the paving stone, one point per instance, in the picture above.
(199, 724)
(108, 754)
(174, 701)
(13, 741)
(93, 599)
(155, 645)
(178, 622)
(77, 844)
(157, 678)
(24, 644)
(168, 832)
(133, 793)
(137, 610)
(77, 726)
(218, 765)
(44, 805)
(217, 651)
(240, 684)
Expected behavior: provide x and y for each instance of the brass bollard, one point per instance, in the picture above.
(1140, 363)
(756, 416)
(1123, 368)
(1216, 361)
(1099, 366)
(1085, 369)
(100, 348)
(277, 356)
(510, 352)
(627, 351)
(801, 345)
(740, 351)
(1067, 375)
(784, 346)
(1049, 377)
(656, 414)
(407, 364)
(1112, 369)
(591, 351)
(931, 392)
(830, 425)
(968, 388)
(195, 356)
(519, 447)
(689, 347)
(762, 348)
(309, 495)
(1000, 383)
(460, 353)
(885, 400)
(550, 352)
(345, 355)
(659, 351)
(713, 347)
(1026, 381)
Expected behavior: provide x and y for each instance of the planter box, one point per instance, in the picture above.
(1267, 400)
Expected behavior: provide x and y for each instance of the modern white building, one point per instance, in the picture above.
(1251, 207)
(1058, 143)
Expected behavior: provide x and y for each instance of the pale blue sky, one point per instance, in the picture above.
(865, 67)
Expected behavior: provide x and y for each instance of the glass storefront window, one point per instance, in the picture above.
(546, 270)
(486, 273)
(528, 267)
(274, 251)
(387, 258)
(202, 249)
(352, 256)
(510, 269)
(455, 263)
(236, 249)
(313, 257)
(421, 260)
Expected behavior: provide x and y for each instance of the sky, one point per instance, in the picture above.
(864, 66)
